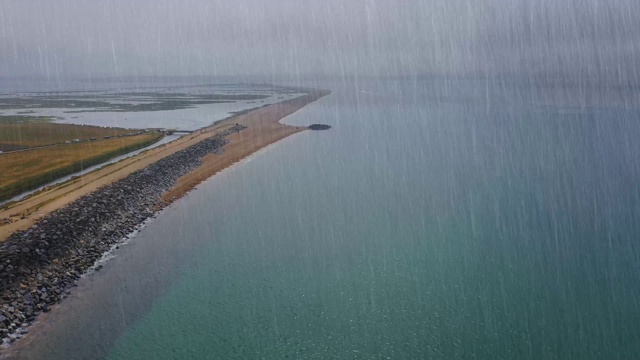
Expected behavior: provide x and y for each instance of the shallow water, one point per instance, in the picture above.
(436, 219)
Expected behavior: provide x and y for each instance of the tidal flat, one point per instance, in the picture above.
(181, 107)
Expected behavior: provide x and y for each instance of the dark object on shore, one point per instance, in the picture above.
(319, 127)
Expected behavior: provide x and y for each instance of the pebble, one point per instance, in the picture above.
(41, 264)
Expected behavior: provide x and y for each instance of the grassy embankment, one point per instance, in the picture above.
(16, 136)
(27, 169)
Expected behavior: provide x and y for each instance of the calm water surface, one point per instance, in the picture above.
(436, 219)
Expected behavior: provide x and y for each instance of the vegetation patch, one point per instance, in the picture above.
(24, 135)
(26, 170)
(121, 102)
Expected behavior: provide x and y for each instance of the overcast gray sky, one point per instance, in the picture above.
(369, 37)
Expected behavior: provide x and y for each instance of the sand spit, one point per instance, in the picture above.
(40, 264)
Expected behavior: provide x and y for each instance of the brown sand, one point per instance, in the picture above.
(263, 128)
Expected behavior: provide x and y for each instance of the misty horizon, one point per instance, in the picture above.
(70, 39)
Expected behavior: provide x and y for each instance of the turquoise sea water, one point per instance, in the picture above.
(437, 219)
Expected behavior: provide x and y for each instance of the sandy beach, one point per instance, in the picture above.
(55, 236)
(263, 128)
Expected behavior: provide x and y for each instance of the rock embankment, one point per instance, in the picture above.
(39, 266)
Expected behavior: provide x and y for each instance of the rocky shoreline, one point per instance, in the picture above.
(40, 265)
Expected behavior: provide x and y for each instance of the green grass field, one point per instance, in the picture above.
(15, 135)
(25, 170)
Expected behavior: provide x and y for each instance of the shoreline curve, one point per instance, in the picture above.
(64, 231)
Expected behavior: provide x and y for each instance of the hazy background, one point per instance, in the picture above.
(579, 39)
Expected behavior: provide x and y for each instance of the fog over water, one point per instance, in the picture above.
(436, 219)
(581, 39)
(477, 196)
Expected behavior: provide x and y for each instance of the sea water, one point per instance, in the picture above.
(436, 219)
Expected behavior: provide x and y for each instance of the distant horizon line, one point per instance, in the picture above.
(282, 79)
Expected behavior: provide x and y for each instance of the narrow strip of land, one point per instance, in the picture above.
(263, 128)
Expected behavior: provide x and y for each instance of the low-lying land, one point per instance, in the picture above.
(18, 135)
(119, 102)
(25, 170)
(82, 220)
